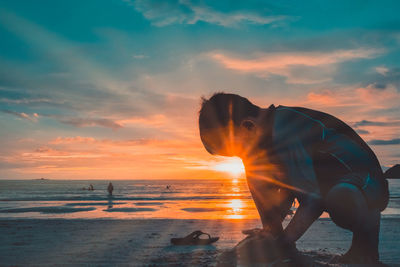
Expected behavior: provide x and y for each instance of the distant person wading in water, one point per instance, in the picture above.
(298, 153)
(110, 189)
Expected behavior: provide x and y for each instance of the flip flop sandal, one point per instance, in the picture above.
(194, 239)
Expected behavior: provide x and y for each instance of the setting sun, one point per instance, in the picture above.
(232, 165)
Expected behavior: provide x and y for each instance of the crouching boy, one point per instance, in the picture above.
(297, 153)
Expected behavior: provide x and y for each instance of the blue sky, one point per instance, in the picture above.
(116, 85)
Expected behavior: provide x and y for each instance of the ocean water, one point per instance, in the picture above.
(138, 199)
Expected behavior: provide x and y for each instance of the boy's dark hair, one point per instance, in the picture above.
(221, 108)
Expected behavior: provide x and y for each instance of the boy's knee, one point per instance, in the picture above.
(346, 206)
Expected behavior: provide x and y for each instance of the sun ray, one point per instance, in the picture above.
(231, 165)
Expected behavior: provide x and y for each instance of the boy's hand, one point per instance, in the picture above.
(285, 249)
(252, 232)
(281, 241)
(256, 231)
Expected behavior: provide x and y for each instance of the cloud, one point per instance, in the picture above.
(110, 143)
(378, 142)
(23, 115)
(382, 70)
(87, 156)
(91, 140)
(73, 140)
(163, 13)
(86, 122)
(331, 98)
(153, 120)
(370, 97)
(298, 67)
(387, 76)
(139, 56)
(378, 95)
(376, 123)
(46, 153)
(105, 83)
(362, 131)
(89, 122)
(82, 83)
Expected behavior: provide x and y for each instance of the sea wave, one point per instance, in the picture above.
(102, 198)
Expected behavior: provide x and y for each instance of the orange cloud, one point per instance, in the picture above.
(379, 98)
(47, 152)
(369, 97)
(72, 140)
(329, 98)
(285, 63)
(141, 142)
(155, 120)
(358, 106)
(273, 62)
(324, 98)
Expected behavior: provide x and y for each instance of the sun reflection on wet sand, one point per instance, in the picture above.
(235, 211)
(235, 216)
(235, 205)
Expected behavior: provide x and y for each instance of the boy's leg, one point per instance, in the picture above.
(348, 209)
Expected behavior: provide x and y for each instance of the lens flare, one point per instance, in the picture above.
(232, 165)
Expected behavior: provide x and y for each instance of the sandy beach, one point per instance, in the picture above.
(96, 242)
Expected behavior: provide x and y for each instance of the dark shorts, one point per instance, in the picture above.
(374, 189)
(369, 180)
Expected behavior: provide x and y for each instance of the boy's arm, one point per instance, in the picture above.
(272, 203)
(309, 210)
(295, 135)
(299, 166)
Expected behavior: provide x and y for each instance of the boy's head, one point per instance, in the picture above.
(222, 120)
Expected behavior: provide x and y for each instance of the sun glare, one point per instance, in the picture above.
(236, 205)
(232, 165)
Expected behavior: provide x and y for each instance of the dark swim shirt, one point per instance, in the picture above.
(315, 151)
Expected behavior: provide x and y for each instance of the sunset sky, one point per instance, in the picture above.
(111, 89)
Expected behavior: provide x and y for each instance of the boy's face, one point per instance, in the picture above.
(222, 141)
(216, 142)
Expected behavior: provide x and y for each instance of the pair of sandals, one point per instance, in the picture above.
(194, 239)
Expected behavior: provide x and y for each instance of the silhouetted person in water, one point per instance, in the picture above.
(110, 189)
(91, 188)
(293, 152)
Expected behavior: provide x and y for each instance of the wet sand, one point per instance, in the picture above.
(103, 242)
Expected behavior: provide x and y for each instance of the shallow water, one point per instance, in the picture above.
(189, 199)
